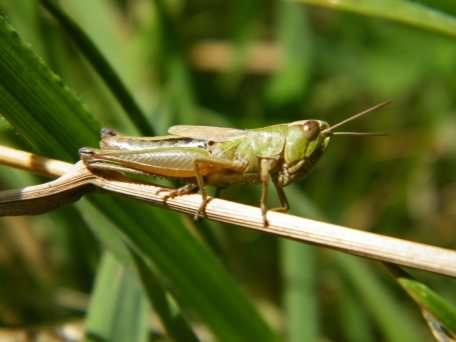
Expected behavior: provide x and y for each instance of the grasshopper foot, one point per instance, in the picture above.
(201, 213)
(264, 212)
(265, 220)
(280, 209)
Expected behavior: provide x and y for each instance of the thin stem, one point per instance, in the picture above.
(32, 162)
(78, 179)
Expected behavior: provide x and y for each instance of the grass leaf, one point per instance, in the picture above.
(404, 11)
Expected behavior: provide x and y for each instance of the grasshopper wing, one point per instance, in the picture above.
(217, 134)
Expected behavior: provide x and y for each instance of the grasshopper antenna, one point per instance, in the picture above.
(331, 129)
(362, 134)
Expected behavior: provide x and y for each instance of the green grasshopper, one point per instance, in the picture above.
(201, 155)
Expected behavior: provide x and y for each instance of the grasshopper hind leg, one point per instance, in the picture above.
(183, 190)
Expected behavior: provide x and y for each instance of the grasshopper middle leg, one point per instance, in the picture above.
(202, 163)
(285, 206)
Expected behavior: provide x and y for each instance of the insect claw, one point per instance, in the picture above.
(265, 220)
(264, 212)
(279, 210)
(201, 213)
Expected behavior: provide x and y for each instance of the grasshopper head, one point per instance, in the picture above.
(304, 145)
(308, 139)
(304, 139)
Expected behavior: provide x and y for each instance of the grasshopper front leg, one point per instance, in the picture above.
(266, 165)
(285, 206)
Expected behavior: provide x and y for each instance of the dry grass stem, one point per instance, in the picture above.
(77, 179)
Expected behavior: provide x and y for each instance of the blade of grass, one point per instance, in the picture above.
(290, 81)
(118, 311)
(36, 116)
(180, 98)
(403, 11)
(102, 67)
(162, 301)
(428, 300)
(172, 319)
(197, 279)
(243, 22)
(355, 323)
(300, 299)
(25, 17)
(194, 276)
(386, 312)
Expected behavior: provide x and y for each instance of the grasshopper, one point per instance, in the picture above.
(201, 155)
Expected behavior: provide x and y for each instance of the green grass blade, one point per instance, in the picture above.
(356, 325)
(295, 39)
(243, 22)
(118, 308)
(170, 315)
(179, 92)
(403, 11)
(102, 67)
(197, 279)
(384, 309)
(442, 312)
(300, 288)
(300, 298)
(193, 274)
(38, 104)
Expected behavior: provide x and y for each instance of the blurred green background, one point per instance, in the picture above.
(241, 64)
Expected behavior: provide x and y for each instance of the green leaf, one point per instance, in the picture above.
(387, 313)
(295, 40)
(118, 310)
(172, 319)
(38, 104)
(403, 11)
(299, 294)
(102, 66)
(442, 312)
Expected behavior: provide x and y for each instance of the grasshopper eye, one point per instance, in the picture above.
(311, 129)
